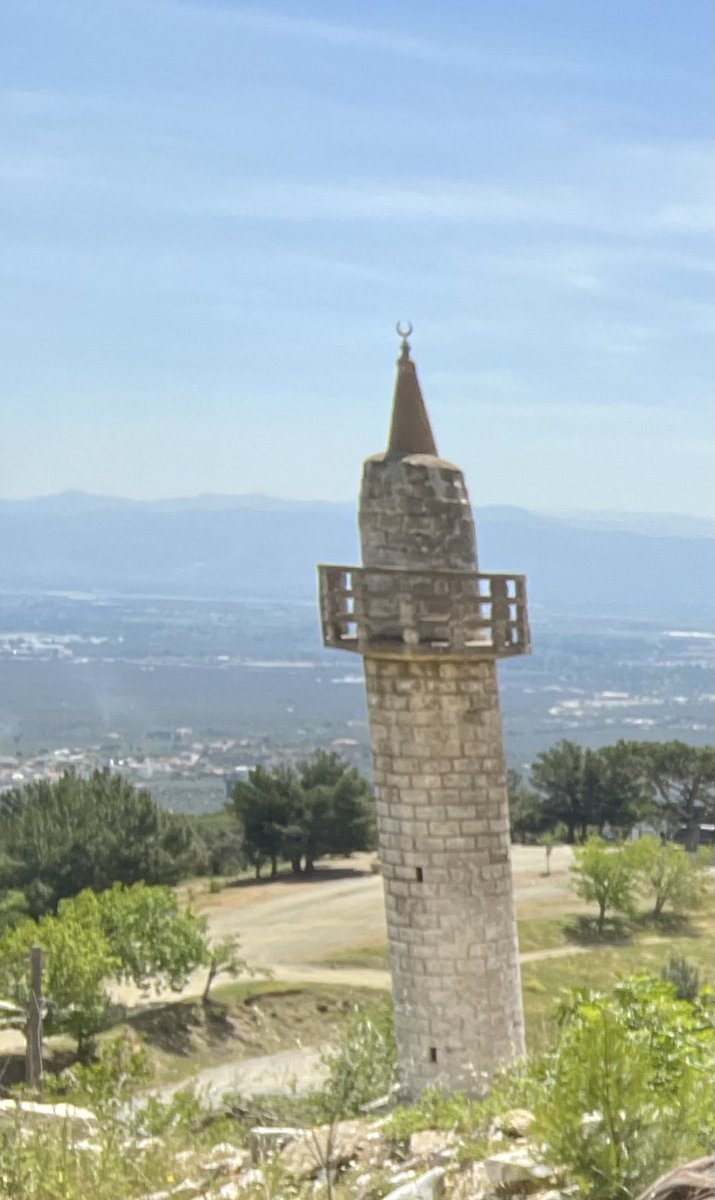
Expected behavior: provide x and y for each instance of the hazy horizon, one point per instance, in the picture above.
(187, 497)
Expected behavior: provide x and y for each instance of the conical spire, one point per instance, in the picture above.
(410, 431)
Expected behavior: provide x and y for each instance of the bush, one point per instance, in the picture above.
(364, 1066)
(628, 1092)
(683, 975)
(133, 1152)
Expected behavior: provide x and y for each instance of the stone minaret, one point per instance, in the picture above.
(430, 628)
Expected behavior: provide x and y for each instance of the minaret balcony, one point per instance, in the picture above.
(395, 612)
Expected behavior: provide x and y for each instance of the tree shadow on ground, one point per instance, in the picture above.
(584, 931)
(316, 876)
(666, 925)
(621, 931)
(175, 1028)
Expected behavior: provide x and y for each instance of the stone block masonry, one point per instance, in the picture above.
(430, 637)
(445, 853)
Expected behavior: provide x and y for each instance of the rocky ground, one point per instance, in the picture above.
(359, 1160)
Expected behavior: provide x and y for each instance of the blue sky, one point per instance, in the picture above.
(213, 213)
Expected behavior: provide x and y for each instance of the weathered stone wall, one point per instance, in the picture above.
(441, 802)
(445, 853)
(415, 512)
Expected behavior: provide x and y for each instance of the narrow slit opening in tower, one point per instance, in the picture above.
(419, 875)
(433, 1054)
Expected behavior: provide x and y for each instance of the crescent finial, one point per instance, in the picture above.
(404, 332)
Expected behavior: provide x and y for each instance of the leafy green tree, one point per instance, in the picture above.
(557, 774)
(57, 838)
(325, 807)
(628, 1091)
(586, 789)
(223, 840)
(336, 809)
(138, 934)
(668, 875)
(77, 964)
(615, 789)
(156, 942)
(526, 817)
(682, 778)
(267, 808)
(604, 876)
(13, 909)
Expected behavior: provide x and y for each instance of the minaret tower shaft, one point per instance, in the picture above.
(430, 628)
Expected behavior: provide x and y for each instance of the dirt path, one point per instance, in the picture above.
(288, 1073)
(289, 926)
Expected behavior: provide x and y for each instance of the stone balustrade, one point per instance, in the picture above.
(417, 613)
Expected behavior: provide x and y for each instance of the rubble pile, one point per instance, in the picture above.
(363, 1161)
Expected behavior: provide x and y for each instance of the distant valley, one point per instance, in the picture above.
(180, 640)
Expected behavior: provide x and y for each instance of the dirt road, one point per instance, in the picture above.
(291, 1072)
(291, 927)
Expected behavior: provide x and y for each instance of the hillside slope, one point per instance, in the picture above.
(259, 547)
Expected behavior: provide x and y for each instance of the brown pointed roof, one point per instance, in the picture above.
(410, 431)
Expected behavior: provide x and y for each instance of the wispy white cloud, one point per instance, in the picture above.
(449, 201)
(394, 42)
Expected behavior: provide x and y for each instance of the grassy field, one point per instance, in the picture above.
(581, 957)
(254, 1018)
(544, 981)
(559, 944)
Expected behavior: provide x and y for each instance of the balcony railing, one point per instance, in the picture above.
(421, 613)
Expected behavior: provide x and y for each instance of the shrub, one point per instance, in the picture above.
(363, 1067)
(628, 1092)
(683, 975)
(132, 1153)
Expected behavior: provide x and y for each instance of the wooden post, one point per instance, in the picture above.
(33, 1058)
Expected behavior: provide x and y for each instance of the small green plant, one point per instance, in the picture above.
(683, 975)
(363, 1067)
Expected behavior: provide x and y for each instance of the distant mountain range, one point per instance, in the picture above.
(263, 547)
